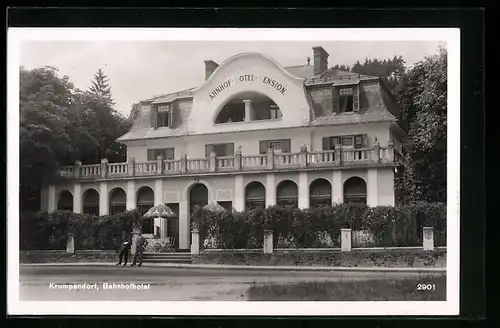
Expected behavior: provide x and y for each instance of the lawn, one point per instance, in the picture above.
(353, 290)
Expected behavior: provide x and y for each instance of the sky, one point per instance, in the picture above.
(138, 70)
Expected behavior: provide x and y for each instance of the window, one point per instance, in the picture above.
(164, 117)
(282, 145)
(166, 153)
(225, 149)
(274, 112)
(329, 143)
(347, 141)
(346, 100)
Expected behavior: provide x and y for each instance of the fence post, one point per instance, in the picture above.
(77, 170)
(70, 244)
(428, 233)
(345, 240)
(376, 152)
(303, 156)
(270, 159)
(212, 162)
(131, 167)
(159, 165)
(338, 154)
(195, 241)
(104, 167)
(390, 151)
(183, 163)
(237, 160)
(268, 242)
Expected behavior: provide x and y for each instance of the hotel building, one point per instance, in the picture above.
(254, 133)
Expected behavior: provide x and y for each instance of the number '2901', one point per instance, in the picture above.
(426, 287)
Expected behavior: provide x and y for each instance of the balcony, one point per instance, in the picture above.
(303, 160)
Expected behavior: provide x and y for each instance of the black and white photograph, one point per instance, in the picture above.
(233, 171)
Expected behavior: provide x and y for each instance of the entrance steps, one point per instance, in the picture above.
(170, 257)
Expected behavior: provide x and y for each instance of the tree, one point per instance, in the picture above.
(390, 70)
(100, 86)
(422, 97)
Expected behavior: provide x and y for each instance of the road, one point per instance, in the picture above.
(166, 284)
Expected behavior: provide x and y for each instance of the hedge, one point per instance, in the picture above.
(320, 227)
(292, 227)
(42, 230)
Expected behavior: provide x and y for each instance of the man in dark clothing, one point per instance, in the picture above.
(124, 249)
(139, 251)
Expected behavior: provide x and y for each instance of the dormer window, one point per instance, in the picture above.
(164, 117)
(345, 99)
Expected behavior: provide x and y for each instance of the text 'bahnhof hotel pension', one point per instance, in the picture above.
(254, 133)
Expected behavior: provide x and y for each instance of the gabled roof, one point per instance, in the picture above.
(338, 77)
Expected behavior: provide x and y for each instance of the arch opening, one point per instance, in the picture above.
(287, 194)
(91, 202)
(355, 191)
(248, 106)
(198, 196)
(255, 195)
(320, 193)
(146, 200)
(117, 201)
(65, 201)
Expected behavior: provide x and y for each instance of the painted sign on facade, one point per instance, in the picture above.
(246, 78)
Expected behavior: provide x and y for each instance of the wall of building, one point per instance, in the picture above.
(386, 186)
(370, 96)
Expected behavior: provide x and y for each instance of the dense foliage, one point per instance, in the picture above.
(42, 230)
(422, 96)
(320, 227)
(60, 124)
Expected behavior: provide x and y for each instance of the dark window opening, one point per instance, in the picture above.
(166, 153)
(287, 194)
(117, 201)
(91, 202)
(145, 200)
(346, 100)
(320, 192)
(225, 149)
(164, 116)
(255, 195)
(355, 191)
(231, 112)
(65, 202)
(228, 205)
(282, 145)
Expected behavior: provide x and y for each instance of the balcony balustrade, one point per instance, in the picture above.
(237, 163)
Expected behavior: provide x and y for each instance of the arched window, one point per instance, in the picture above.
(287, 194)
(65, 202)
(145, 200)
(355, 191)
(117, 201)
(320, 193)
(255, 195)
(91, 202)
(260, 107)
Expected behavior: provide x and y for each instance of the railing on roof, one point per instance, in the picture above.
(237, 163)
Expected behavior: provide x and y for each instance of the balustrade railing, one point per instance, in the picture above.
(269, 161)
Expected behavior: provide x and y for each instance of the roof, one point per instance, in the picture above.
(304, 71)
(338, 77)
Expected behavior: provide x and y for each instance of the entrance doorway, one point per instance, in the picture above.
(198, 196)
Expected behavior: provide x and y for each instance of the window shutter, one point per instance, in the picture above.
(169, 153)
(151, 154)
(327, 145)
(170, 115)
(335, 100)
(285, 145)
(154, 116)
(263, 146)
(208, 150)
(355, 100)
(230, 149)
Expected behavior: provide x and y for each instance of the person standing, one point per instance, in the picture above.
(126, 243)
(139, 250)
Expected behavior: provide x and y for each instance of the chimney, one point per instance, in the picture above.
(320, 60)
(210, 67)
